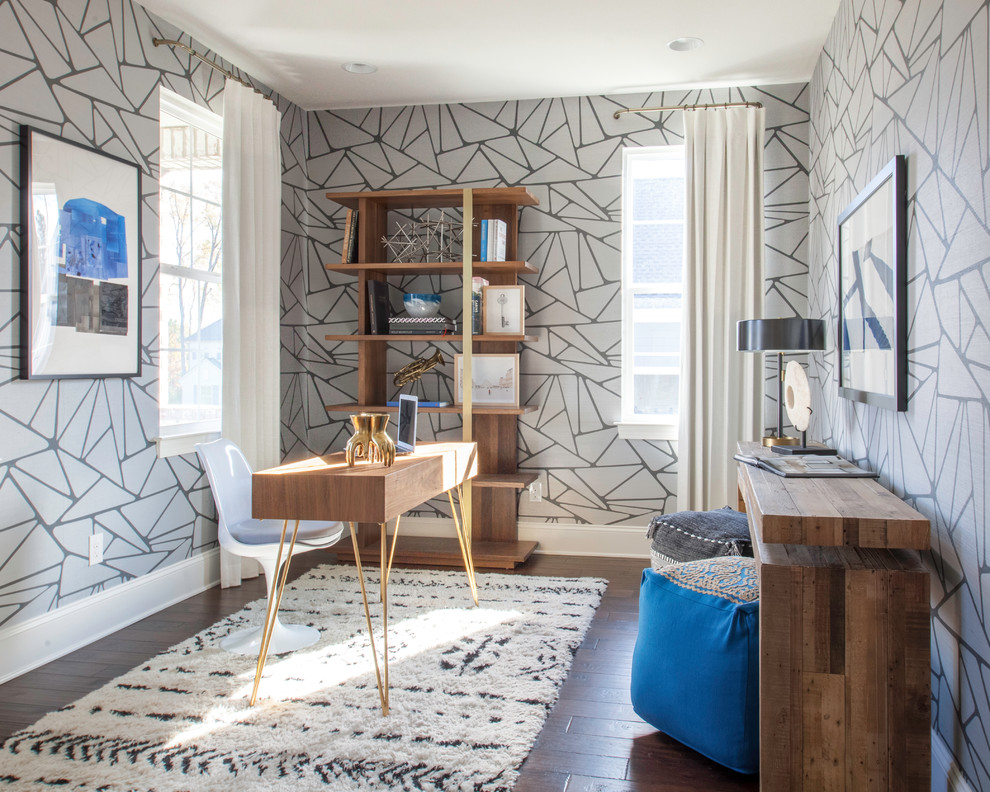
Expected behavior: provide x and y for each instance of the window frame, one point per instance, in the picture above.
(630, 425)
(177, 439)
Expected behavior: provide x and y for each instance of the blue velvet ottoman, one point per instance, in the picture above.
(695, 670)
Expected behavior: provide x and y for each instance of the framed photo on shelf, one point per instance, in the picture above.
(504, 309)
(495, 380)
(80, 260)
(872, 278)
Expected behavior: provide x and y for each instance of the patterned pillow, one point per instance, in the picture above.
(693, 535)
(731, 578)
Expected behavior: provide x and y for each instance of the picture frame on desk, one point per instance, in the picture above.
(80, 260)
(495, 380)
(872, 280)
(503, 309)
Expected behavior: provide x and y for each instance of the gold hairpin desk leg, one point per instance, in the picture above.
(271, 613)
(382, 689)
(464, 539)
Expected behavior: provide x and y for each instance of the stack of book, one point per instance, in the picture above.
(492, 246)
(421, 325)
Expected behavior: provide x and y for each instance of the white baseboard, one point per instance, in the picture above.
(947, 776)
(610, 541)
(56, 633)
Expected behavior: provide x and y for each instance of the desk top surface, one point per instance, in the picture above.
(325, 488)
(850, 512)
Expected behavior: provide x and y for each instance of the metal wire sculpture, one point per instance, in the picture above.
(411, 372)
(436, 239)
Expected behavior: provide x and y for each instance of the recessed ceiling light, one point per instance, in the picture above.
(360, 68)
(685, 43)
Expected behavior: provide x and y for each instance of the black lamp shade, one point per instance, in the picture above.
(780, 335)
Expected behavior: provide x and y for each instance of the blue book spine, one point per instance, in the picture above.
(483, 247)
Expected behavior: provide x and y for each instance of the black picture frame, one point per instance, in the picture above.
(80, 260)
(872, 292)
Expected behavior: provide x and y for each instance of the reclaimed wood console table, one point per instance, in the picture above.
(845, 666)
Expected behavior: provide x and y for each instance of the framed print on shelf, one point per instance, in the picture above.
(80, 260)
(495, 379)
(504, 310)
(872, 278)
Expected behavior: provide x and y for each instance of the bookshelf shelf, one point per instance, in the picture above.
(522, 409)
(394, 338)
(434, 267)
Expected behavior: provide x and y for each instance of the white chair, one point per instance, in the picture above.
(242, 535)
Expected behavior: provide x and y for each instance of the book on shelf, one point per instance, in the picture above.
(348, 254)
(496, 240)
(379, 309)
(491, 246)
(477, 286)
(421, 325)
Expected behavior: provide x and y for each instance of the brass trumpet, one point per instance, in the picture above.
(411, 372)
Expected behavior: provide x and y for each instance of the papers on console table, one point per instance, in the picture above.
(807, 466)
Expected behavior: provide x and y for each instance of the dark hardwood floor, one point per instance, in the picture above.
(591, 742)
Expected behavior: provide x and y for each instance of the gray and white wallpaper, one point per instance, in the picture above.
(568, 152)
(911, 78)
(77, 456)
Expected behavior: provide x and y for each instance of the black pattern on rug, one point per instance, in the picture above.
(470, 689)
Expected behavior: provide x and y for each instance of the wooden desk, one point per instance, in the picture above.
(845, 663)
(325, 488)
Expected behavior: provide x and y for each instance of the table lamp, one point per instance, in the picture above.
(780, 336)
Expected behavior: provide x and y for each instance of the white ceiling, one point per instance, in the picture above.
(439, 51)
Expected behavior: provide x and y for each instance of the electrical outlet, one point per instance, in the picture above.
(536, 492)
(96, 548)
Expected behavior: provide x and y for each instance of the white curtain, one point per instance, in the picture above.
(721, 390)
(252, 214)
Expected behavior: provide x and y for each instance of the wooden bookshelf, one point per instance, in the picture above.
(495, 492)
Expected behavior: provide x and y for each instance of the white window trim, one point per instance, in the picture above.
(184, 441)
(655, 430)
(660, 427)
(179, 439)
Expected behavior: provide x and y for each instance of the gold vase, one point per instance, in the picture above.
(370, 441)
(357, 447)
(382, 447)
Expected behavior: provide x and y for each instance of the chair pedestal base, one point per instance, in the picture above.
(285, 638)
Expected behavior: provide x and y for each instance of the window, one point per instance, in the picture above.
(190, 330)
(652, 283)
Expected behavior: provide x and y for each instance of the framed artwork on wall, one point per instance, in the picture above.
(872, 279)
(504, 310)
(80, 260)
(495, 379)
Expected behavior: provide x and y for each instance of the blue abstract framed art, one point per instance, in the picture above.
(872, 279)
(80, 260)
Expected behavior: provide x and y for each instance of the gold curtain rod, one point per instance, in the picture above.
(617, 113)
(170, 43)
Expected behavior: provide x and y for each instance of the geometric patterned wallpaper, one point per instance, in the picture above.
(77, 456)
(911, 78)
(568, 152)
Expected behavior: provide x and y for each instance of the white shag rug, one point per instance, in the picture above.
(470, 689)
